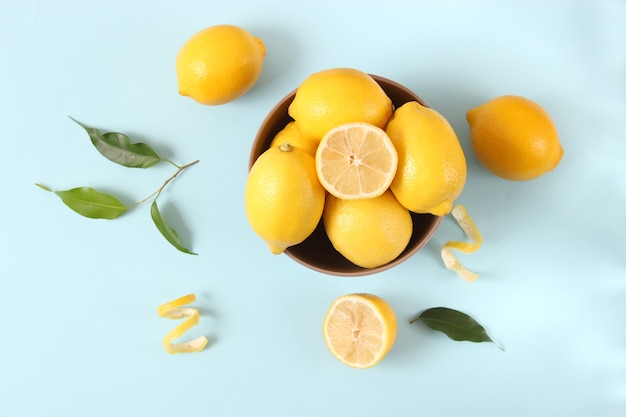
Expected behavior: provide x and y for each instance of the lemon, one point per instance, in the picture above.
(284, 200)
(431, 164)
(219, 64)
(514, 138)
(335, 96)
(360, 329)
(368, 232)
(291, 134)
(356, 160)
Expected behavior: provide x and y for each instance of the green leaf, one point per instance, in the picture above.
(167, 232)
(118, 148)
(454, 324)
(91, 203)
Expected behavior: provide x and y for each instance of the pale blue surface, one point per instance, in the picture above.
(78, 297)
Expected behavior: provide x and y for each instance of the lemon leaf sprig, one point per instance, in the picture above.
(94, 204)
(455, 324)
(90, 202)
(118, 148)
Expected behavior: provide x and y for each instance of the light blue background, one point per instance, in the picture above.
(79, 331)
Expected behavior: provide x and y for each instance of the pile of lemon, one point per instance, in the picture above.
(352, 160)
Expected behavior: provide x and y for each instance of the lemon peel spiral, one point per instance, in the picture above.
(465, 221)
(173, 310)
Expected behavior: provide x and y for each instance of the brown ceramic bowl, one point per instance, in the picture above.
(316, 252)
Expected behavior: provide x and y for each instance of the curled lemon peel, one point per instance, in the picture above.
(464, 220)
(174, 310)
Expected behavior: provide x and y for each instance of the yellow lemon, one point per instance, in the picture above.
(356, 160)
(284, 200)
(514, 138)
(219, 64)
(291, 134)
(360, 329)
(431, 164)
(368, 232)
(332, 97)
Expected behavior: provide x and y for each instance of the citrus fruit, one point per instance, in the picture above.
(335, 96)
(219, 64)
(174, 310)
(368, 232)
(284, 200)
(356, 160)
(465, 221)
(431, 164)
(360, 329)
(290, 133)
(514, 138)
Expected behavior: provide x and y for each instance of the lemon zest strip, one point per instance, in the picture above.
(174, 310)
(464, 220)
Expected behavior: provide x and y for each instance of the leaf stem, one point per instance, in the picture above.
(174, 163)
(167, 181)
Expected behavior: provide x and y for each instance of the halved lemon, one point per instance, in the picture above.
(360, 329)
(356, 160)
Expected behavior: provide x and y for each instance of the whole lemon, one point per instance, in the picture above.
(219, 64)
(290, 133)
(284, 200)
(368, 232)
(336, 96)
(431, 165)
(514, 138)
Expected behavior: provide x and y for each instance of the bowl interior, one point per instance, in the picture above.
(317, 252)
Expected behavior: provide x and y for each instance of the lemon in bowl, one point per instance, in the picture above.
(316, 251)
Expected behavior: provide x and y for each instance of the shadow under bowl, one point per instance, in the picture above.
(317, 252)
